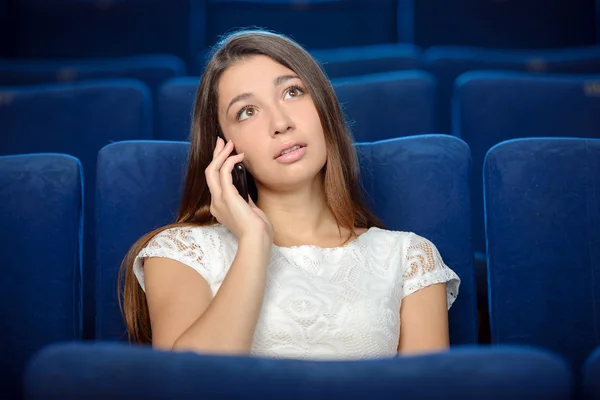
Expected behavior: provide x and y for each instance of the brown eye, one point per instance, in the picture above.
(245, 113)
(293, 91)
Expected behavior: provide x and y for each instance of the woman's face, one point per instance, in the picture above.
(265, 109)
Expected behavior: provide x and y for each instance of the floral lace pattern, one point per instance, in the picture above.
(320, 303)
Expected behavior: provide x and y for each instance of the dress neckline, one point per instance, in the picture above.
(352, 242)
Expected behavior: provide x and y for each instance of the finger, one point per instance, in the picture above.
(212, 171)
(220, 158)
(218, 146)
(222, 152)
(225, 173)
(214, 184)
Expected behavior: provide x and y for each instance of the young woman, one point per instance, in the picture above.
(302, 269)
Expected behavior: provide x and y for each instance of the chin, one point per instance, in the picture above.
(293, 180)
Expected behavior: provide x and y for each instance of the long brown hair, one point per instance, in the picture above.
(341, 175)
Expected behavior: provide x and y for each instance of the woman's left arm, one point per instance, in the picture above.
(424, 321)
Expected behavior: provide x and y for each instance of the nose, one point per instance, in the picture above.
(281, 121)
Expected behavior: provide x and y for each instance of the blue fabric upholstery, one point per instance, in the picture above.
(591, 376)
(153, 70)
(139, 185)
(76, 119)
(314, 24)
(40, 235)
(493, 107)
(355, 61)
(447, 63)
(542, 199)
(420, 185)
(174, 107)
(525, 24)
(92, 28)
(113, 371)
(388, 105)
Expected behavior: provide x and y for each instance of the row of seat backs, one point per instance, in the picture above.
(185, 27)
(502, 372)
(542, 214)
(446, 64)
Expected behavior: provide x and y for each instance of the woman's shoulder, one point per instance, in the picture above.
(397, 241)
(179, 238)
(376, 234)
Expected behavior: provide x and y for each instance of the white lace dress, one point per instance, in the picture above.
(320, 303)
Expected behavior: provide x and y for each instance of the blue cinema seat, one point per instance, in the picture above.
(447, 63)
(493, 107)
(174, 107)
(524, 24)
(542, 202)
(41, 211)
(418, 184)
(116, 371)
(363, 60)
(314, 24)
(98, 28)
(153, 70)
(388, 105)
(77, 119)
(591, 376)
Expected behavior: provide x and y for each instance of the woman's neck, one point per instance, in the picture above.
(299, 217)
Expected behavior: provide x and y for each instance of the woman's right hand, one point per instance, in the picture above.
(243, 219)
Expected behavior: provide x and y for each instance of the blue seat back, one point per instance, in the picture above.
(40, 235)
(542, 199)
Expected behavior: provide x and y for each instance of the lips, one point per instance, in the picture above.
(289, 147)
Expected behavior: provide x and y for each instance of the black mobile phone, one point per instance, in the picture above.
(240, 181)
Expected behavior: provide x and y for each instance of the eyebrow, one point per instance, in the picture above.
(277, 81)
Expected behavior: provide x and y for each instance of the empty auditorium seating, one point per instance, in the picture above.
(153, 70)
(174, 107)
(41, 232)
(493, 107)
(314, 24)
(83, 29)
(90, 371)
(525, 24)
(591, 376)
(542, 199)
(76, 119)
(362, 60)
(417, 184)
(388, 105)
(447, 63)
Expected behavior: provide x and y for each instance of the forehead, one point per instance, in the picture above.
(250, 75)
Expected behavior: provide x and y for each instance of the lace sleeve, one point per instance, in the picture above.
(423, 266)
(177, 244)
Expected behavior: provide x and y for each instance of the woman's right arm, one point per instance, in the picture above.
(179, 299)
(185, 319)
(182, 314)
